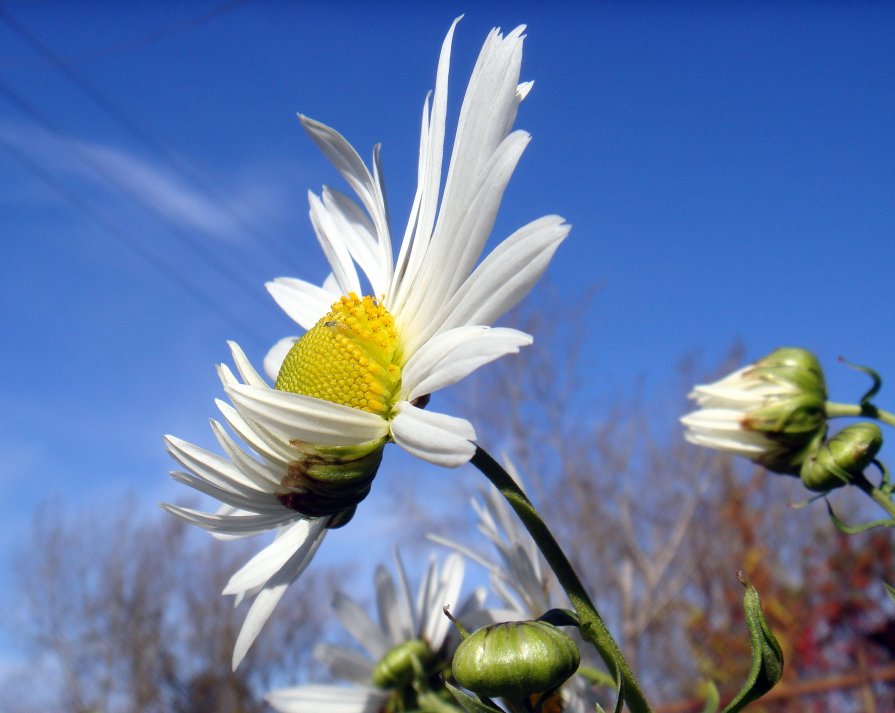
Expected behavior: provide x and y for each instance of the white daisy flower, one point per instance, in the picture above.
(361, 374)
(406, 629)
(768, 412)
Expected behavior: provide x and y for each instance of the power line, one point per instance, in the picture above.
(183, 282)
(169, 157)
(185, 238)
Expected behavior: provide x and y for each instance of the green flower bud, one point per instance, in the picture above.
(837, 461)
(401, 663)
(515, 659)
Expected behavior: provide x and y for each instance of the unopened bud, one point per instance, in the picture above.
(840, 459)
(515, 659)
(400, 664)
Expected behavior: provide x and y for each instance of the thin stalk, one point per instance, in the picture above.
(591, 623)
(867, 410)
(880, 497)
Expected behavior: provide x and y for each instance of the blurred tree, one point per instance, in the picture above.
(124, 613)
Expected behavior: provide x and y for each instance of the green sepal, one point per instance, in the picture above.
(856, 529)
(877, 381)
(767, 657)
(890, 590)
(560, 617)
(470, 703)
(596, 677)
(712, 697)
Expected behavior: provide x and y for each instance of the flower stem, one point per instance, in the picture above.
(868, 410)
(880, 497)
(591, 623)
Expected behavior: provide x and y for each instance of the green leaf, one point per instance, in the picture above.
(470, 703)
(890, 590)
(767, 658)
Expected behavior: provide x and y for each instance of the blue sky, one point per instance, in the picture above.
(728, 170)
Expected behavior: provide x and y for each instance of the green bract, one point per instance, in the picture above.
(515, 659)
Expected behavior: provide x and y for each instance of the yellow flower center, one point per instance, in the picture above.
(351, 357)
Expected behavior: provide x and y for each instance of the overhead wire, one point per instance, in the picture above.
(173, 160)
(125, 238)
(185, 238)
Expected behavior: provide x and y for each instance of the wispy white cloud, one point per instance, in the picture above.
(149, 181)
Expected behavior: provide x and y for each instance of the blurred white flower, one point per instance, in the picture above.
(417, 626)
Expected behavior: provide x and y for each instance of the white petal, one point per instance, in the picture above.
(435, 625)
(458, 242)
(303, 302)
(274, 358)
(345, 664)
(505, 276)
(271, 559)
(422, 215)
(259, 440)
(452, 355)
(245, 368)
(367, 187)
(434, 437)
(332, 241)
(302, 418)
(212, 468)
(357, 623)
(233, 525)
(359, 235)
(273, 591)
(327, 699)
(388, 608)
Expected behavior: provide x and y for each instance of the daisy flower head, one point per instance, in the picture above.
(382, 333)
(402, 654)
(770, 412)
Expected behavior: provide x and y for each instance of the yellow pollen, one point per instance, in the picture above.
(350, 357)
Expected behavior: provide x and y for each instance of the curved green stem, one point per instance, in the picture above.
(867, 410)
(880, 497)
(591, 623)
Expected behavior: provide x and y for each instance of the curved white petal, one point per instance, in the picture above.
(275, 587)
(505, 276)
(359, 235)
(327, 699)
(395, 618)
(231, 525)
(332, 240)
(304, 302)
(367, 187)
(451, 356)
(244, 366)
(434, 437)
(357, 623)
(434, 625)
(274, 358)
(264, 564)
(302, 418)
(422, 215)
(345, 664)
(451, 258)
